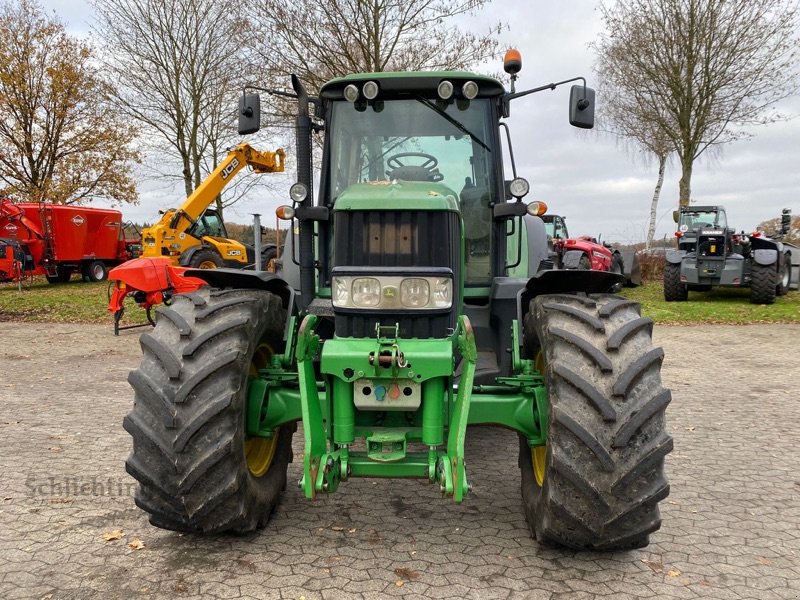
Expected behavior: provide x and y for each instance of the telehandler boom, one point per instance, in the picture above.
(194, 235)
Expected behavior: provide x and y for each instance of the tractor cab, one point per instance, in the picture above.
(409, 161)
(704, 230)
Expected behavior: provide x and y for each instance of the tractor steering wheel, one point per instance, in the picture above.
(427, 171)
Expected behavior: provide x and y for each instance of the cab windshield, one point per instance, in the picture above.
(422, 140)
(409, 140)
(711, 219)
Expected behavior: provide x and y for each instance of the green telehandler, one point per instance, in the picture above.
(416, 299)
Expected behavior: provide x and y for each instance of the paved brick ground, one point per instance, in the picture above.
(731, 526)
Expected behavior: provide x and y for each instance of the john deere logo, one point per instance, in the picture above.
(78, 220)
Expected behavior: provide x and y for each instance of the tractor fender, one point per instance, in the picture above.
(572, 259)
(538, 251)
(561, 281)
(765, 256)
(793, 256)
(675, 257)
(238, 278)
(631, 268)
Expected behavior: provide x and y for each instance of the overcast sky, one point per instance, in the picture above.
(586, 176)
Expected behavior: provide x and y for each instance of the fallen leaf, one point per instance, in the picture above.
(353, 530)
(110, 536)
(673, 573)
(55, 449)
(690, 429)
(399, 583)
(136, 545)
(656, 567)
(405, 573)
(338, 528)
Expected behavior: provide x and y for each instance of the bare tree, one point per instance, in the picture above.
(59, 140)
(699, 70)
(626, 115)
(322, 40)
(176, 64)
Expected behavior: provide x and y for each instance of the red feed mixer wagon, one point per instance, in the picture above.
(56, 241)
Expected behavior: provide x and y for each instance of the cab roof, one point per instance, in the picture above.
(398, 84)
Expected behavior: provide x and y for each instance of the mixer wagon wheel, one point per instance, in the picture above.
(62, 275)
(197, 469)
(96, 270)
(597, 482)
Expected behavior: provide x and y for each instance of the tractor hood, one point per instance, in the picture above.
(397, 195)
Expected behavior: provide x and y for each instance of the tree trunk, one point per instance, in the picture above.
(685, 183)
(651, 230)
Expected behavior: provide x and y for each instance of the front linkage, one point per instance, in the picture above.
(381, 395)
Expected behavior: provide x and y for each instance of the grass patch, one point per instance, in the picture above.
(720, 305)
(71, 302)
(81, 302)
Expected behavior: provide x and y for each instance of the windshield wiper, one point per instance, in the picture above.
(460, 126)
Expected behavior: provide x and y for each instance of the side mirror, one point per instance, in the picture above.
(249, 113)
(675, 215)
(581, 107)
(504, 210)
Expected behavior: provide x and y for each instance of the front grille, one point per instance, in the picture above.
(398, 239)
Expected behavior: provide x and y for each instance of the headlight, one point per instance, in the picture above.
(415, 292)
(298, 192)
(366, 292)
(387, 292)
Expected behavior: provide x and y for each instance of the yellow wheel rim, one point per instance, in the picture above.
(259, 452)
(538, 456)
(207, 264)
(539, 453)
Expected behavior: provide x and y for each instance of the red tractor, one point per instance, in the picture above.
(586, 253)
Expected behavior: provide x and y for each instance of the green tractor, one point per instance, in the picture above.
(421, 302)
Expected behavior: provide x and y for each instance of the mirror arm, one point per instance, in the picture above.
(510, 149)
(550, 86)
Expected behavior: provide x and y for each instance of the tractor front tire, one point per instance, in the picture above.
(617, 264)
(763, 283)
(674, 289)
(584, 264)
(197, 470)
(597, 483)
